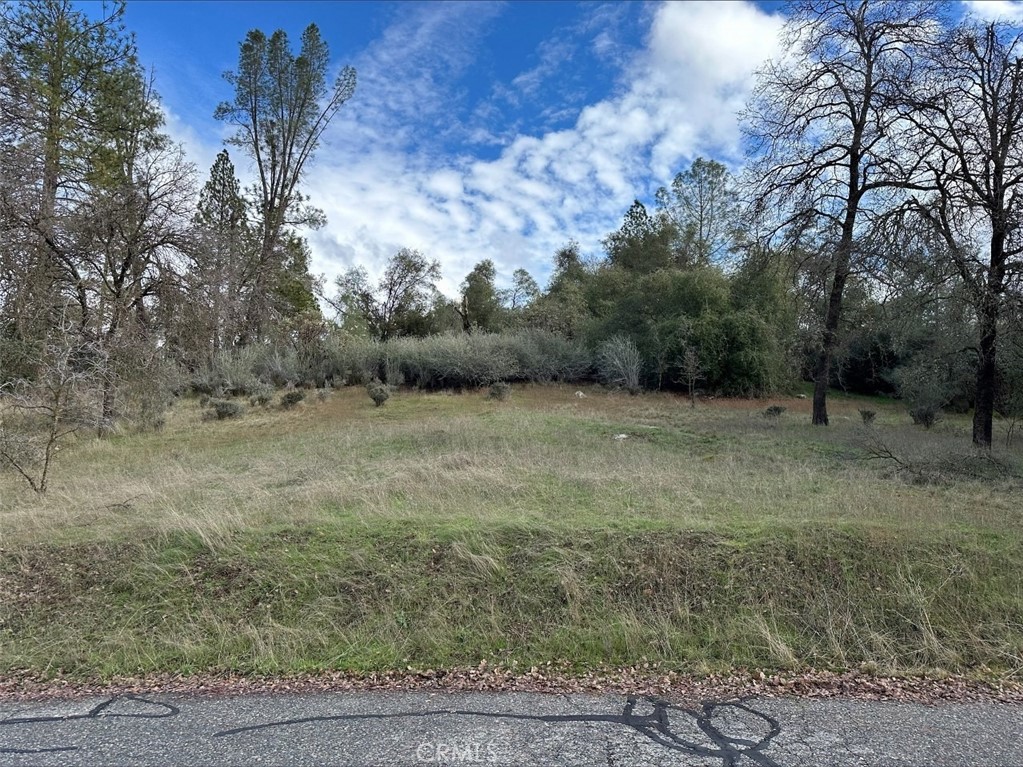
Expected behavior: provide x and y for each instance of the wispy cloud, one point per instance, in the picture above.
(387, 176)
(994, 10)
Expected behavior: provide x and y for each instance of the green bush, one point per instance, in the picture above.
(500, 390)
(378, 392)
(223, 409)
(925, 415)
(291, 398)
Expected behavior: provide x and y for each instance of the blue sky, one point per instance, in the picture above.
(481, 129)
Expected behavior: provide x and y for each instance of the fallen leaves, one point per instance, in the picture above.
(553, 677)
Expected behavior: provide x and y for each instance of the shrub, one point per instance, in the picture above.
(147, 384)
(867, 416)
(925, 415)
(223, 409)
(541, 356)
(450, 361)
(229, 373)
(500, 390)
(927, 386)
(278, 366)
(619, 363)
(378, 392)
(36, 415)
(739, 353)
(260, 400)
(291, 398)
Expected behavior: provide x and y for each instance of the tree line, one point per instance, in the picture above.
(871, 242)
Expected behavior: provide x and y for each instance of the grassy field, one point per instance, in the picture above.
(442, 529)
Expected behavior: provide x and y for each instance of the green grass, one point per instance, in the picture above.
(442, 529)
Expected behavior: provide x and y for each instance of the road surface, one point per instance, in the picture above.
(420, 728)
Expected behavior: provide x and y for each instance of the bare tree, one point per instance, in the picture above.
(968, 110)
(825, 135)
(128, 233)
(37, 415)
(691, 371)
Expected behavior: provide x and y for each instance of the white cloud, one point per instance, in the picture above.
(994, 10)
(385, 184)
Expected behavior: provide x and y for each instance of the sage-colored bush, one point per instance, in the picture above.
(378, 392)
(223, 409)
(620, 364)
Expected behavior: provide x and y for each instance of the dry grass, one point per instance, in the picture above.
(547, 455)
(445, 527)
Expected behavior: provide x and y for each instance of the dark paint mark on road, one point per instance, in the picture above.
(96, 712)
(655, 726)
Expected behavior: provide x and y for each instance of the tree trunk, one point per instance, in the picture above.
(829, 339)
(983, 413)
(987, 316)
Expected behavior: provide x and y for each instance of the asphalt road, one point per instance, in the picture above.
(504, 729)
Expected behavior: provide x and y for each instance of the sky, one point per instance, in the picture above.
(497, 130)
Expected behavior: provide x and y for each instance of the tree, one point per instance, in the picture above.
(968, 110)
(824, 133)
(400, 304)
(481, 306)
(690, 371)
(54, 63)
(130, 229)
(562, 309)
(523, 291)
(37, 415)
(703, 206)
(643, 243)
(282, 106)
(219, 276)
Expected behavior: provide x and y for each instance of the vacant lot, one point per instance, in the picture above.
(443, 529)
